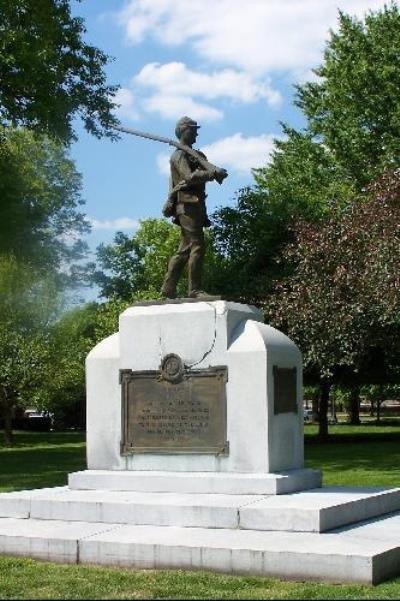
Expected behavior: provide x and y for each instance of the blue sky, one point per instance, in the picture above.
(229, 64)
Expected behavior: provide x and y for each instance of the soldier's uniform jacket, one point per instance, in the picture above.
(190, 199)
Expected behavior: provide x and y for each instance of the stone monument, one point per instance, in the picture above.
(195, 460)
(195, 448)
(206, 388)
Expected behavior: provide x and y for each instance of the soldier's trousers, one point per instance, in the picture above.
(191, 250)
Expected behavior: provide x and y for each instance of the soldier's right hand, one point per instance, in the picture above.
(220, 174)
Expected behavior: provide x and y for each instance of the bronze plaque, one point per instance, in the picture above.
(285, 389)
(173, 410)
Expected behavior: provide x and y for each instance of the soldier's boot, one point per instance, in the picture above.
(175, 268)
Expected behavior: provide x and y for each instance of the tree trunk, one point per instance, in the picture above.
(8, 433)
(372, 408)
(378, 404)
(355, 405)
(315, 408)
(333, 409)
(325, 387)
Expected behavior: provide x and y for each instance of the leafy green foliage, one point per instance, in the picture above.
(351, 134)
(137, 266)
(247, 239)
(354, 106)
(341, 304)
(28, 304)
(40, 221)
(48, 74)
(133, 269)
(62, 386)
(303, 179)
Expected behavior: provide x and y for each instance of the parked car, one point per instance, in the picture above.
(308, 415)
(40, 421)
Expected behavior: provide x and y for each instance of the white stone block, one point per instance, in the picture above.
(369, 552)
(17, 504)
(50, 541)
(161, 509)
(221, 333)
(197, 482)
(103, 406)
(319, 510)
(329, 557)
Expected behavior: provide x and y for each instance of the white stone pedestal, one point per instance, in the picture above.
(252, 508)
(204, 334)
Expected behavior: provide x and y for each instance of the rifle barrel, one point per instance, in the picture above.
(190, 151)
(143, 134)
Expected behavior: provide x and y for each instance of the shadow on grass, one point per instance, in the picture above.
(23, 438)
(346, 433)
(376, 463)
(40, 460)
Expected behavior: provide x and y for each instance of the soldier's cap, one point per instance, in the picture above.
(183, 123)
(186, 122)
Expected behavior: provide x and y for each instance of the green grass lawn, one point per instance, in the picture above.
(356, 456)
(40, 459)
(365, 455)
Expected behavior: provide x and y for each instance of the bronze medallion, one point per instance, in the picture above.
(172, 368)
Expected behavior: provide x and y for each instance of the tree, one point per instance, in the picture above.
(28, 304)
(302, 182)
(48, 74)
(136, 264)
(353, 108)
(133, 268)
(342, 303)
(40, 221)
(351, 134)
(61, 389)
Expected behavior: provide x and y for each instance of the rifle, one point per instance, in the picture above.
(193, 153)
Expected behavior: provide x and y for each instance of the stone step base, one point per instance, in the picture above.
(319, 510)
(228, 483)
(368, 553)
(308, 511)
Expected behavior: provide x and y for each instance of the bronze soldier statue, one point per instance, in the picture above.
(186, 203)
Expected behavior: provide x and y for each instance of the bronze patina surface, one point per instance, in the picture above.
(186, 204)
(285, 390)
(174, 410)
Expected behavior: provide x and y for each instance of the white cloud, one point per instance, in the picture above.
(237, 153)
(174, 90)
(173, 106)
(120, 223)
(127, 109)
(259, 36)
(175, 79)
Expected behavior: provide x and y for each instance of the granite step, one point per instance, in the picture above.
(127, 507)
(317, 510)
(368, 553)
(228, 483)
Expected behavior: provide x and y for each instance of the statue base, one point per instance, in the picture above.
(195, 457)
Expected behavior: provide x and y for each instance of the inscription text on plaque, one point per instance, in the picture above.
(174, 414)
